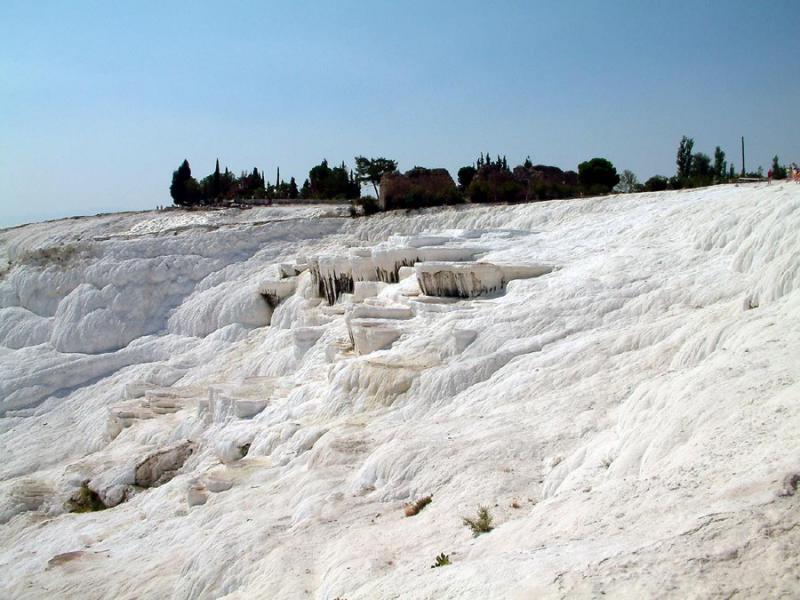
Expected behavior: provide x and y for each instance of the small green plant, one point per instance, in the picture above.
(481, 524)
(414, 508)
(85, 500)
(441, 561)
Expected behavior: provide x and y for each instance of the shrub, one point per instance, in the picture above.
(85, 500)
(481, 524)
(465, 177)
(369, 204)
(597, 176)
(441, 561)
(778, 171)
(676, 183)
(415, 507)
(364, 207)
(628, 183)
(656, 183)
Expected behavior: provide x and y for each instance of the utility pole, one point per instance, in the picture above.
(743, 171)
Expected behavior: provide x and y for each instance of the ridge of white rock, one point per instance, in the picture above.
(257, 395)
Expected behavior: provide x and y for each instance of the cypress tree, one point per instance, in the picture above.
(185, 190)
(305, 191)
(719, 164)
(684, 157)
(216, 182)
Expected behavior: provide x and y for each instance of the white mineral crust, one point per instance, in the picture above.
(617, 380)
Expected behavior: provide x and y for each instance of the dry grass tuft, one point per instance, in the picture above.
(413, 508)
(481, 524)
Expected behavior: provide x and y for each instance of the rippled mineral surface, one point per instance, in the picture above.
(243, 404)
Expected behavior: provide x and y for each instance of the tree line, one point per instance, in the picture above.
(487, 179)
(696, 169)
(323, 182)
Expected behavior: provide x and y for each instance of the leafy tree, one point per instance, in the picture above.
(250, 185)
(336, 182)
(732, 174)
(370, 170)
(305, 191)
(465, 177)
(684, 158)
(778, 171)
(319, 177)
(628, 182)
(212, 187)
(700, 166)
(185, 190)
(597, 176)
(293, 191)
(527, 164)
(720, 170)
(492, 183)
(656, 183)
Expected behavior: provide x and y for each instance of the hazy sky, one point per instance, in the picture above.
(100, 101)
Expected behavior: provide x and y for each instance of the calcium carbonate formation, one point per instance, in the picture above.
(243, 404)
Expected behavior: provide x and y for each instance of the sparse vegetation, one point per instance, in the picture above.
(441, 561)
(481, 524)
(415, 507)
(364, 206)
(628, 183)
(62, 255)
(85, 500)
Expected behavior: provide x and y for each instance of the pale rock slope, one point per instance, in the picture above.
(257, 395)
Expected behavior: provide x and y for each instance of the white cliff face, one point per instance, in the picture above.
(257, 395)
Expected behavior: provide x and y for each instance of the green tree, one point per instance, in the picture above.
(370, 170)
(597, 176)
(701, 165)
(185, 190)
(305, 191)
(628, 182)
(656, 183)
(293, 191)
(778, 171)
(720, 171)
(465, 177)
(684, 158)
(336, 182)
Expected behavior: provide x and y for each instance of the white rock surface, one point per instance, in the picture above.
(623, 399)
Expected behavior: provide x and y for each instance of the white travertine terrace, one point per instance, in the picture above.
(258, 394)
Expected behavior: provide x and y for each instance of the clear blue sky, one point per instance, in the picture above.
(102, 100)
